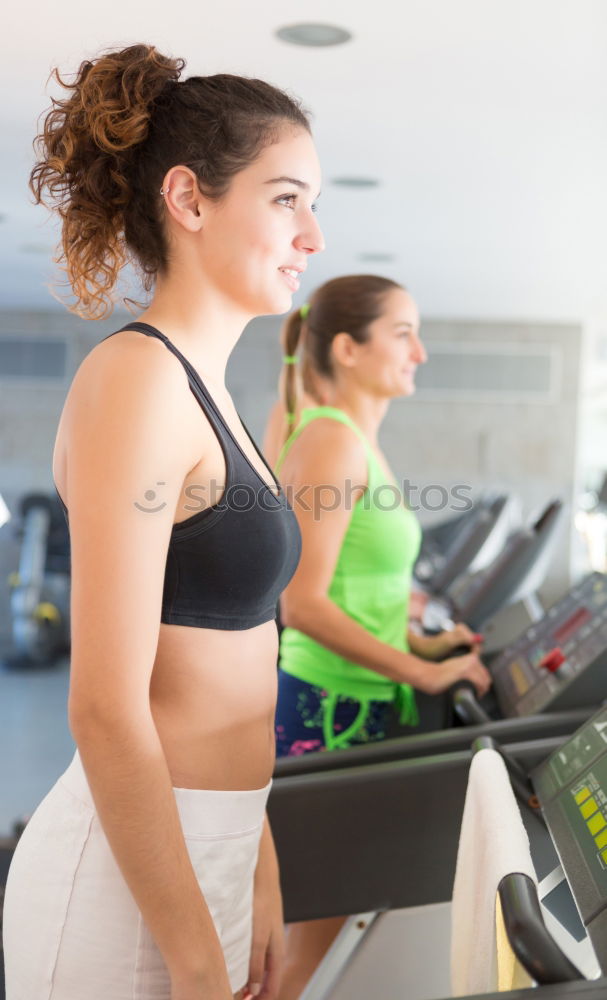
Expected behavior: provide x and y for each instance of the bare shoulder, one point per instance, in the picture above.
(328, 451)
(132, 358)
(133, 380)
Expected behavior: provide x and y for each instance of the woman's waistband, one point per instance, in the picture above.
(380, 689)
(203, 812)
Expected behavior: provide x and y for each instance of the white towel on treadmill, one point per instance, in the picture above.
(493, 843)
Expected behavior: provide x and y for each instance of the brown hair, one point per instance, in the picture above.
(344, 305)
(104, 150)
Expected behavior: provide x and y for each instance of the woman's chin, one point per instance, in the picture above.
(408, 388)
(278, 305)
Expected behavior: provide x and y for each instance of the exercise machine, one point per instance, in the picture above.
(379, 843)
(545, 684)
(560, 661)
(516, 574)
(469, 542)
(40, 588)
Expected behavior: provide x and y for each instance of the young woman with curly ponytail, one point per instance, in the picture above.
(149, 869)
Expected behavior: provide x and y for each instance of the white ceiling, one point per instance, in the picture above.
(485, 121)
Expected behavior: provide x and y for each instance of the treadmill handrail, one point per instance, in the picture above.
(468, 543)
(529, 938)
(514, 568)
(467, 707)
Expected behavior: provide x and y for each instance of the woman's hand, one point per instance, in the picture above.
(438, 677)
(268, 948)
(437, 647)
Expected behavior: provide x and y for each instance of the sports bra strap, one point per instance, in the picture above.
(193, 377)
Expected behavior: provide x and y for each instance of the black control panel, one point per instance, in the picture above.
(572, 788)
(559, 662)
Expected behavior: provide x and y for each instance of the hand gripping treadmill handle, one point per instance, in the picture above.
(466, 705)
(533, 945)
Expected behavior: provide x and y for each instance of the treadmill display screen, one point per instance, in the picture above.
(559, 662)
(572, 759)
(572, 788)
(570, 627)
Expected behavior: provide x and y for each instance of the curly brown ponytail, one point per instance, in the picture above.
(85, 151)
(104, 150)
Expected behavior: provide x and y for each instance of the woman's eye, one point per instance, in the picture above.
(290, 201)
(287, 199)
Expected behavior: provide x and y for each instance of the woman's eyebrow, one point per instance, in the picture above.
(291, 180)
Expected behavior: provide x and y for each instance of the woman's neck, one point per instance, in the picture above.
(204, 325)
(366, 411)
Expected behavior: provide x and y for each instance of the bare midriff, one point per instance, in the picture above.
(213, 697)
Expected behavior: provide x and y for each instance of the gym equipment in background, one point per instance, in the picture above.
(516, 574)
(466, 543)
(40, 588)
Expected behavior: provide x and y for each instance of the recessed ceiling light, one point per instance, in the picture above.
(355, 182)
(313, 34)
(377, 258)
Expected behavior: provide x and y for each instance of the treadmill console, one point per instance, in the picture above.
(572, 788)
(559, 662)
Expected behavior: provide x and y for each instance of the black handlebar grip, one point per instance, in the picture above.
(466, 705)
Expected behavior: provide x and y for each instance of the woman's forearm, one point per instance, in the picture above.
(131, 786)
(327, 624)
(427, 646)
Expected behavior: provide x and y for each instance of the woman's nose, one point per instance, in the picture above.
(312, 240)
(420, 352)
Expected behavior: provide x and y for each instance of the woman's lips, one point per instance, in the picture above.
(290, 278)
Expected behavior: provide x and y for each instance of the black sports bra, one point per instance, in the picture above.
(227, 564)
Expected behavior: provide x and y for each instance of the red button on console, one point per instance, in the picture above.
(552, 660)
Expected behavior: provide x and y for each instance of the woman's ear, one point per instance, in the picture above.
(343, 348)
(183, 198)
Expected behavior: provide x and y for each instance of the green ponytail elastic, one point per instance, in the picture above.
(289, 359)
(304, 310)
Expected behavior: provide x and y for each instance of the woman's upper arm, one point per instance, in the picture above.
(331, 474)
(126, 463)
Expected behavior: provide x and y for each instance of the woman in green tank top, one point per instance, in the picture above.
(346, 653)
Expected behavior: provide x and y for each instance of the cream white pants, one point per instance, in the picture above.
(72, 930)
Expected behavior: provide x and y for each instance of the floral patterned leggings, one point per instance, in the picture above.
(309, 718)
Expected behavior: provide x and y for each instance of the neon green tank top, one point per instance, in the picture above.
(371, 584)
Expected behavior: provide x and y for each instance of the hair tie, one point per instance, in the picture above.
(290, 418)
(304, 310)
(289, 359)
